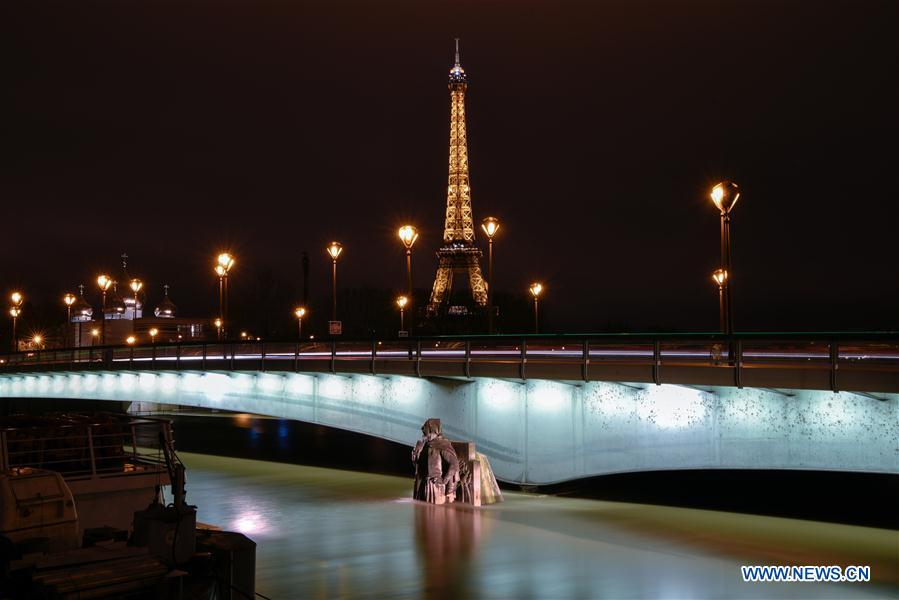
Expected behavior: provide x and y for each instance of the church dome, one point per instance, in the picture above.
(81, 310)
(166, 308)
(115, 305)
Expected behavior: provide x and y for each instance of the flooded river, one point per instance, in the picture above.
(327, 533)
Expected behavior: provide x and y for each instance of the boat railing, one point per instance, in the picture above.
(85, 446)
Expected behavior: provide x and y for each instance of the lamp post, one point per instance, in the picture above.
(536, 289)
(37, 341)
(408, 234)
(95, 333)
(104, 282)
(223, 263)
(490, 225)
(136, 285)
(299, 312)
(725, 196)
(69, 299)
(334, 250)
(719, 276)
(16, 299)
(130, 340)
(218, 327)
(402, 301)
(153, 333)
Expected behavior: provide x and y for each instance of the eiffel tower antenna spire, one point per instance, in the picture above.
(459, 254)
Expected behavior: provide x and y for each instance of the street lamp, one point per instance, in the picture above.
(130, 340)
(334, 250)
(218, 327)
(153, 333)
(136, 285)
(408, 234)
(37, 340)
(104, 282)
(95, 333)
(536, 289)
(223, 263)
(69, 299)
(17, 299)
(725, 196)
(300, 312)
(719, 276)
(402, 301)
(490, 225)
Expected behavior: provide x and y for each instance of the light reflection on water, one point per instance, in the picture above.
(325, 533)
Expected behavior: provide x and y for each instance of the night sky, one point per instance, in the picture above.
(174, 130)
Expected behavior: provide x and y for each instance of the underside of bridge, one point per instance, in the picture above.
(538, 431)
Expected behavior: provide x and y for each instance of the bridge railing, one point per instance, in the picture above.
(823, 360)
(80, 447)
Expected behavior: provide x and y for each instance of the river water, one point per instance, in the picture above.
(328, 533)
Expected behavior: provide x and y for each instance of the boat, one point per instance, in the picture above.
(83, 514)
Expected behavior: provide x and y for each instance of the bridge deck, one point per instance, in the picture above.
(852, 362)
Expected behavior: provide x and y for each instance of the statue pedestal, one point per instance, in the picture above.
(478, 485)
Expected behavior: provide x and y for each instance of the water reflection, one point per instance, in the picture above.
(447, 539)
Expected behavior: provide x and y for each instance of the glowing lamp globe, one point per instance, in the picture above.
(725, 196)
(334, 249)
(408, 234)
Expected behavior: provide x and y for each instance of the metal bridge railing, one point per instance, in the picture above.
(511, 356)
(81, 447)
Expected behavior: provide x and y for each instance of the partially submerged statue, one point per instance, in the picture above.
(436, 466)
(448, 471)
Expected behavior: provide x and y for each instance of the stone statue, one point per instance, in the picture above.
(436, 466)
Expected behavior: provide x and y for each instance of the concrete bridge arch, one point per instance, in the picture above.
(536, 431)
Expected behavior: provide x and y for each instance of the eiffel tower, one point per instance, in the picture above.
(459, 255)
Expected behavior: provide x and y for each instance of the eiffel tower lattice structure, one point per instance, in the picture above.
(459, 255)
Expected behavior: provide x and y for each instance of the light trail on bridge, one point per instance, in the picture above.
(865, 363)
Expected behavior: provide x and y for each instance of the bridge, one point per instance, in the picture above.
(545, 409)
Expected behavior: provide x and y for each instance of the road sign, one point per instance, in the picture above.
(335, 327)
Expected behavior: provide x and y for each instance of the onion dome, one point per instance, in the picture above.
(166, 308)
(81, 309)
(115, 305)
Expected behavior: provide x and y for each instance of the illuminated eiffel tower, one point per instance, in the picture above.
(459, 255)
